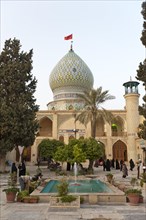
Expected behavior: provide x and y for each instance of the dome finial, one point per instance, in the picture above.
(71, 46)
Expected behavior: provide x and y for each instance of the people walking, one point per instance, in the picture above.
(14, 172)
(13, 168)
(132, 165)
(108, 165)
(117, 165)
(124, 170)
(139, 163)
(121, 165)
(22, 169)
(113, 163)
(104, 165)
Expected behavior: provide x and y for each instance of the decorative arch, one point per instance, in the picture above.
(45, 127)
(120, 151)
(71, 137)
(117, 126)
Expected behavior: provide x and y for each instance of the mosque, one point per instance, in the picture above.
(72, 76)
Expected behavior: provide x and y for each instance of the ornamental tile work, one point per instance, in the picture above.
(71, 70)
(66, 106)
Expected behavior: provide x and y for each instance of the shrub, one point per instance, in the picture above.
(22, 194)
(133, 191)
(68, 198)
(11, 184)
(62, 188)
(134, 182)
(12, 189)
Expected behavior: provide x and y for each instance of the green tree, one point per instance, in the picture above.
(94, 150)
(65, 153)
(141, 76)
(79, 155)
(47, 148)
(93, 109)
(61, 154)
(18, 124)
(79, 150)
(143, 35)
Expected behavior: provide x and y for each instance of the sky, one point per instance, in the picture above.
(106, 35)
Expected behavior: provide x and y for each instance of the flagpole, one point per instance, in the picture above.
(71, 46)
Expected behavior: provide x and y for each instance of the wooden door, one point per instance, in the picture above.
(120, 151)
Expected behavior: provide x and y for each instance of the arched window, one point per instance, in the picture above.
(117, 126)
(71, 137)
(61, 138)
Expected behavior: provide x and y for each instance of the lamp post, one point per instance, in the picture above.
(75, 132)
(143, 147)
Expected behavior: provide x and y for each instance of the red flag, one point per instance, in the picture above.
(69, 37)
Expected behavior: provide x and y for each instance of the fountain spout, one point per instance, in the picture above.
(75, 175)
(75, 171)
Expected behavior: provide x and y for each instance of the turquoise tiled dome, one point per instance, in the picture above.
(70, 74)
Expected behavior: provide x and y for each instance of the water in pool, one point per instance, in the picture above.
(82, 186)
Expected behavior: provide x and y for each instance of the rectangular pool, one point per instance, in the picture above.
(81, 186)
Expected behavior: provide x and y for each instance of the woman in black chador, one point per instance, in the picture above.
(117, 165)
(132, 165)
(22, 169)
(14, 168)
(14, 172)
(113, 163)
(108, 165)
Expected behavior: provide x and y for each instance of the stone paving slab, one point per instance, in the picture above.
(40, 211)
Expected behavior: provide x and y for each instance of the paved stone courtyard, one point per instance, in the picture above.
(40, 211)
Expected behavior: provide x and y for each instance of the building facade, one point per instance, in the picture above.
(71, 76)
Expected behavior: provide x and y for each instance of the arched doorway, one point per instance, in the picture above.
(120, 151)
(45, 127)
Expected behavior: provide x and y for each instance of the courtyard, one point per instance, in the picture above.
(41, 210)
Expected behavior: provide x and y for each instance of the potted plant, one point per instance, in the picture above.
(21, 195)
(11, 190)
(26, 199)
(34, 199)
(31, 199)
(109, 177)
(133, 195)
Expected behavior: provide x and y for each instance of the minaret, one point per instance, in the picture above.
(132, 116)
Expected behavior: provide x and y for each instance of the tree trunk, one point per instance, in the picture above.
(93, 127)
(3, 163)
(90, 167)
(68, 166)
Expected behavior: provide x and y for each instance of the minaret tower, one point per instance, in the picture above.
(132, 116)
